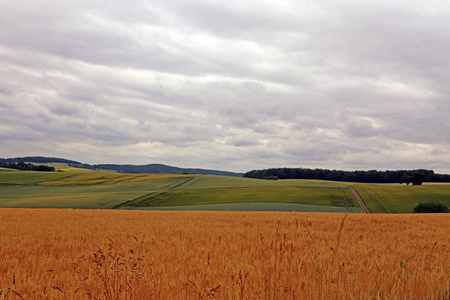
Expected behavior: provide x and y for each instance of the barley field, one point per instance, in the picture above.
(113, 254)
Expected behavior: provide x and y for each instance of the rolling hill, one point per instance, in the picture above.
(124, 168)
(162, 191)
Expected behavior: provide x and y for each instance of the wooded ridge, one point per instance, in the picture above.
(372, 176)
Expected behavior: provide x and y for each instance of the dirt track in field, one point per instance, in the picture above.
(360, 200)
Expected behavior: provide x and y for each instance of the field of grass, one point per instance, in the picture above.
(211, 181)
(117, 190)
(115, 254)
(401, 198)
(114, 190)
(80, 190)
(283, 194)
(30, 178)
(323, 183)
(98, 196)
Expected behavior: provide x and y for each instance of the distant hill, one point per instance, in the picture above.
(162, 169)
(151, 168)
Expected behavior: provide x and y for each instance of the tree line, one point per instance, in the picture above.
(26, 166)
(39, 160)
(372, 176)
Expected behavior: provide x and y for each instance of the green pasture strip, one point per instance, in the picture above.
(213, 181)
(253, 206)
(300, 195)
(30, 177)
(6, 170)
(91, 196)
(91, 201)
(321, 183)
(401, 198)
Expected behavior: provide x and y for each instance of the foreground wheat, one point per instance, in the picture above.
(100, 254)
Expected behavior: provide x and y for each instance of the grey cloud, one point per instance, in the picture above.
(243, 141)
(228, 84)
(363, 127)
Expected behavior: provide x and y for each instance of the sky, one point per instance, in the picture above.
(228, 85)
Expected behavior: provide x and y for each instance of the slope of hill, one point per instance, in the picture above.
(152, 191)
(109, 190)
(162, 169)
(134, 169)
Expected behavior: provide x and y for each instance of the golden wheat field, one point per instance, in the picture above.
(107, 254)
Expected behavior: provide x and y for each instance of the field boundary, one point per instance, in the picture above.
(360, 200)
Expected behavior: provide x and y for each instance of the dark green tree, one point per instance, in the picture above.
(431, 207)
(418, 178)
(406, 179)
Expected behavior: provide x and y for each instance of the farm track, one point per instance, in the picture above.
(168, 187)
(360, 201)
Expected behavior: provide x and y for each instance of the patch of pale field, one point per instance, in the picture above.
(108, 178)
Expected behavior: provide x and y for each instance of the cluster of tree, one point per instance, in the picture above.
(26, 166)
(416, 179)
(372, 176)
(431, 207)
(39, 159)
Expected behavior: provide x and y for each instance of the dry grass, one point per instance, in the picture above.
(82, 179)
(99, 254)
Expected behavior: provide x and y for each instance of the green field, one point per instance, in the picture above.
(92, 196)
(401, 198)
(299, 195)
(211, 181)
(79, 190)
(207, 192)
(114, 190)
(29, 178)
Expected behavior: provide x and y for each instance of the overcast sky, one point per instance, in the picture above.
(230, 85)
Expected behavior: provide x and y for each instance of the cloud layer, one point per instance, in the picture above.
(228, 84)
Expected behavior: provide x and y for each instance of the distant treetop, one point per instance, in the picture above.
(39, 159)
(372, 176)
(26, 166)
